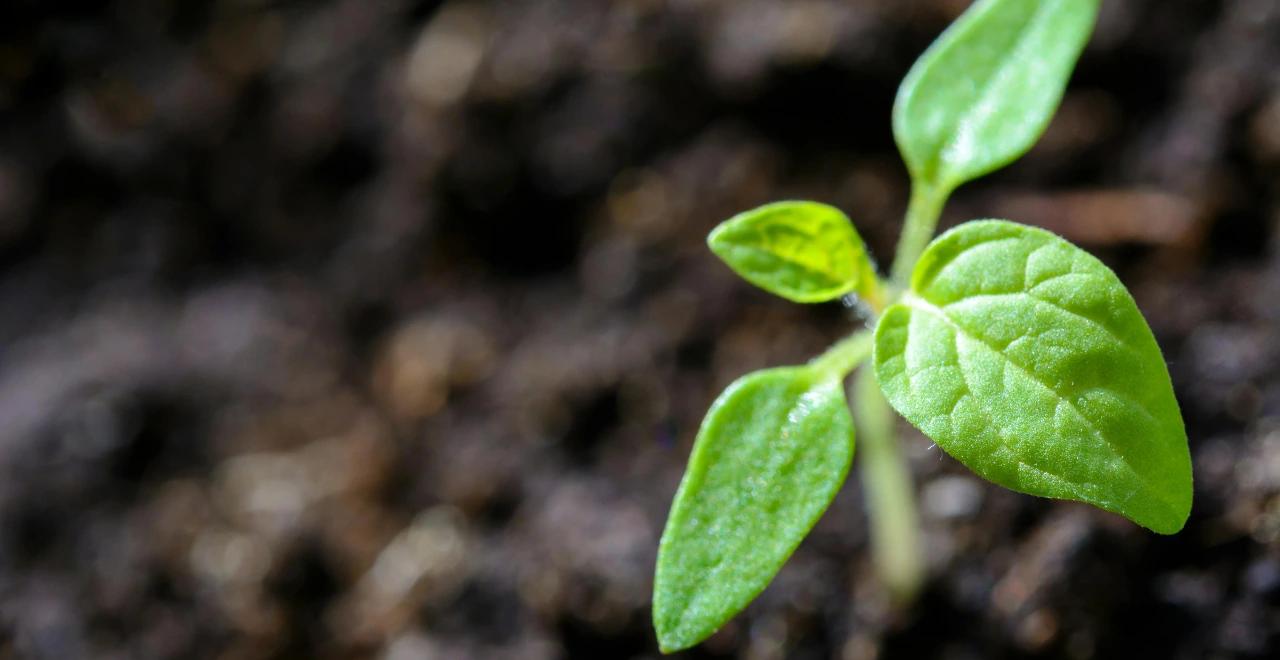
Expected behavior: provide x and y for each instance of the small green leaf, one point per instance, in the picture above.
(803, 251)
(983, 93)
(1027, 360)
(771, 454)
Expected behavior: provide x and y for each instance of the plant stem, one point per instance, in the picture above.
(845, 355)
(875, 295)
(896, 549)
(923, 212)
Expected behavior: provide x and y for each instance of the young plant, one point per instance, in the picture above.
(1017, 353)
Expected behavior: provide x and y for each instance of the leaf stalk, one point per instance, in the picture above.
(923, 212)
(845, 355)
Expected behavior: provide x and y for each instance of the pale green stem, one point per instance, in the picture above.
(874, 296)
(923, 212)
(896, 548)
(845, 355)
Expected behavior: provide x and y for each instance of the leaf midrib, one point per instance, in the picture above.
(1028, 296)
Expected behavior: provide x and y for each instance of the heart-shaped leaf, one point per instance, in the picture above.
(1027, 360)
(803, 251)
(771, 454)
(983, 93)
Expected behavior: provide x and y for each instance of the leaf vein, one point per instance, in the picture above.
(927, 307)
(941, 269)
(799, 265)
(983, 297)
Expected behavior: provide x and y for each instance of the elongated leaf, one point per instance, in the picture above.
(772, 452)
(1027, 360)
(802, 251)
(985, 90)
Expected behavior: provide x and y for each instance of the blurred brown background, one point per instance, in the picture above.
(381, 328)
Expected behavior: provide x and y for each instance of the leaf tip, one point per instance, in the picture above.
(672, 635)
(716, 240)
(1169, 530)
(670, 610)
(1173, 521)
(666, 646)
(1166, 512)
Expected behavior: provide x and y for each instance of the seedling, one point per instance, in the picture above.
(1017, 353)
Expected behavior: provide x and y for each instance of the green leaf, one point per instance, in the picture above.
(803, 251)
(983, 93)
(771, 454)
(1027, 360)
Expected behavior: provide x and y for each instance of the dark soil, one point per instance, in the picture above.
(382, 328)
